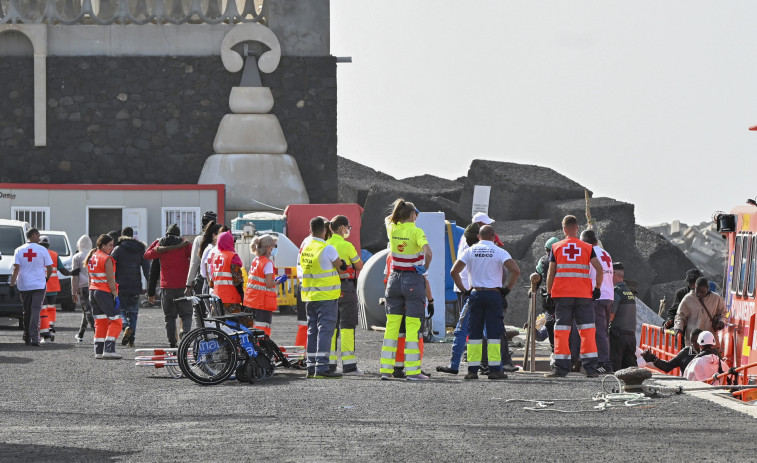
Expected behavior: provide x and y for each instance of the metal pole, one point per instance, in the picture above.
(532, 326)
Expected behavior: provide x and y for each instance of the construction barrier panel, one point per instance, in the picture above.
(663, 343)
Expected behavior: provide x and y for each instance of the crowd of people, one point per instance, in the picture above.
(590, 313)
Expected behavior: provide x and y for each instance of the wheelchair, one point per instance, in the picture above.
(223, 346)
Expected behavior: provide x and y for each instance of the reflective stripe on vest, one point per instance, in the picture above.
(223, 282)
(346, 252)
(257, 295)
(318, 284)
(96, 266)
(572, 263)
(405, 252)
(53, 283)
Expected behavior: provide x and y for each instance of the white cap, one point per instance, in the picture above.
(706, 339)
(44, 239)
(482, 217)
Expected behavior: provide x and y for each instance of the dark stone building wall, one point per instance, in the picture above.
(153, 119)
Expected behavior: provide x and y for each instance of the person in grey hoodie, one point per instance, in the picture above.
(130, 266)
(80, 285)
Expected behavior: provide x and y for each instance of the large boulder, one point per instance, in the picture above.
(517, 190)
(356, 179)
(601, 209)
(619, 241)
(669, 262)
(436, 186)
(518, 235)
(378, 206)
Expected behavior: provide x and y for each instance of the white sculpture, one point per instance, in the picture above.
(250, 146)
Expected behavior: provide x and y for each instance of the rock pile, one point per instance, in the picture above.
(528, 203)
(702, 244)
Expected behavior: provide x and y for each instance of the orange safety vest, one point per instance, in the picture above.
(53, 283)
(223, 282)
(573, 259)
(96, 270)
(257, 295)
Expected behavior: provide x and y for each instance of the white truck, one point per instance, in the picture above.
(12, 235)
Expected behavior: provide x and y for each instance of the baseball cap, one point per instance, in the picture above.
(482, 217)
(44, 239)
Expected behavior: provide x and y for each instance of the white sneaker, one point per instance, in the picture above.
(78, 339)
(357, 372)
(98, 356)
(112, 356)
(418, 377)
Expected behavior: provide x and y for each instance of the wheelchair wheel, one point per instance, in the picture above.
(207, 356)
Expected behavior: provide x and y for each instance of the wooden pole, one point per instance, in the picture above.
(532, 325)
(529, 327)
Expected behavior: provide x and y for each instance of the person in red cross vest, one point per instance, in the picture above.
(103, 295)
(226, 273)
(48, 315)
(570, 285)
(170, 255)
(32, 266)
(261, 295)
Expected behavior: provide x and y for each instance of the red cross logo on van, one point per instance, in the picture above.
(571, 252)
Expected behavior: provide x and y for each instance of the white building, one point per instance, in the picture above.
(96, 209)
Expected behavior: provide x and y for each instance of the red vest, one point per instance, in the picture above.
(223, 282)
(257, 295)
(573, 259)
(53, 283)
(96, 270)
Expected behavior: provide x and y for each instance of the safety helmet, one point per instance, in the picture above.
(550, 242)
(706, 339)
(44, 241)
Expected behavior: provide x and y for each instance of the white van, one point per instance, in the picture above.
(12, 235)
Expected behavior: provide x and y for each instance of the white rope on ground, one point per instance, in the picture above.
(606, 401)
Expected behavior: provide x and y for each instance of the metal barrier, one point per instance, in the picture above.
(286, 292)
(663, 343)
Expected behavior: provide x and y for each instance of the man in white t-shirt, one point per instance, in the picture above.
(485, 262)
(603, 305)
(32, 266)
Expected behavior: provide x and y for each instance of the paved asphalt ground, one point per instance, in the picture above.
(60, 404)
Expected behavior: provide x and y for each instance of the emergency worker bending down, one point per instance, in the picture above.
(485, 262)
(569, 284)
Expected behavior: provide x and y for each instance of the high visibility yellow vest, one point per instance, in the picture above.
(406, 242)
(318, 284)
(346, 252)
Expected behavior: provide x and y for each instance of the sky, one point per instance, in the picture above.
(645, 102)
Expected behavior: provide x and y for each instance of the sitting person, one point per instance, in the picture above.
(707, 363)
(681, 360)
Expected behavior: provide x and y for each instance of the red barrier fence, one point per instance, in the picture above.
(663, 343)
